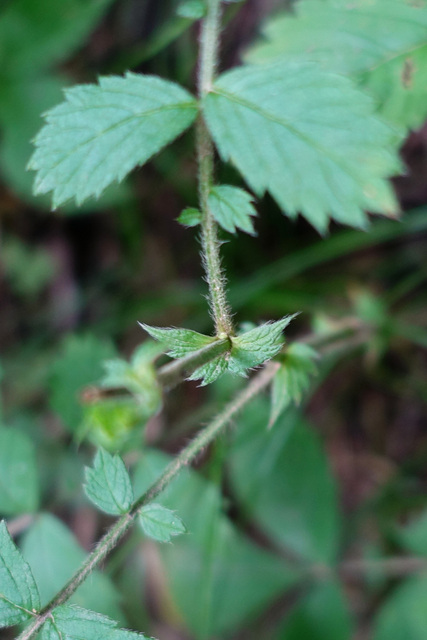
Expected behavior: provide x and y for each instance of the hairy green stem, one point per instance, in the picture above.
(121, 526)
(205, 157)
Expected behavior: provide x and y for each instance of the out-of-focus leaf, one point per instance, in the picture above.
(69, 622)
(19, 597)
(40, 34)
(79, 365)
(193, 9)
(190, 217)
(19, 479)
(54, 555)
(284, 483)
(292, 379)
(404, 614)
(414, 535)
(243, 579)
(381, 43)
(270, 121)
(322, 613)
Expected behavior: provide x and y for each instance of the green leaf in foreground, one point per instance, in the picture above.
(353, 38)
(101, 132)
(19, 597)
(292, 379)
(232, 208)
(108, 484)
(271, 120)
(160, 523)
(69, 622)
(19, 481)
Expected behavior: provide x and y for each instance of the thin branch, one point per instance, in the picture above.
(121, 526)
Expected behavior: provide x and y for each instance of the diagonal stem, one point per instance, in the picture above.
(122, 525)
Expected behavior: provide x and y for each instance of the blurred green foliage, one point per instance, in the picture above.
(312, 530)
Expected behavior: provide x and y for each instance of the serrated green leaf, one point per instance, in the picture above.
(108, 484)
(54, 555)
(211, 371)
(43, 33)
(19, 597)
(179, 342)
(354, 38)
(190, 217)
(292, 379)
(69, 622)
(232, 208)
(256, 346)
(271, 120)
(101, 132)
(160, 523)
(247, 350)
(19, 479)
(78, 365)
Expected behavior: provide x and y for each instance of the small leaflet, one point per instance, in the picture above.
(256, 346)
(108, 484)
(69, 622)
(190, 217)
(19, 596)
(292, 379)
(160, 523)
(232, 208)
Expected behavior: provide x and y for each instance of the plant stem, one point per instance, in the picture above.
(205, 156)
(121, 526)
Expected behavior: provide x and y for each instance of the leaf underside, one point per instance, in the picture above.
(19, 596)
(308, 137)
(101, 132)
